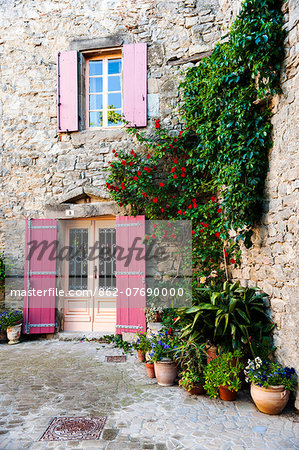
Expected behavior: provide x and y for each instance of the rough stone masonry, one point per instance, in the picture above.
(41, 170)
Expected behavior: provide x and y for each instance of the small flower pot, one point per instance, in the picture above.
(13, 334)
(270, 400)
(226, 394)
(166, 372)
(141, 356)
(150, 370)
(197, 389)
(212, 353)
(158, 317)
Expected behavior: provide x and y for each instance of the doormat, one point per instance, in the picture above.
(118, 359)
(74, 429)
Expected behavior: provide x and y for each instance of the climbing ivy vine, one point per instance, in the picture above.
(213, 171)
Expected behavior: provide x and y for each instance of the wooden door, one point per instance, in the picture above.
(89, 303)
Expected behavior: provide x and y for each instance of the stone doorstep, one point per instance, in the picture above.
(79, 336)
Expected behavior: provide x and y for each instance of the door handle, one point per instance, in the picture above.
(95, 271)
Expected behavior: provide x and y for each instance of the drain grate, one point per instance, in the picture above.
(118, 359)
(74, 429)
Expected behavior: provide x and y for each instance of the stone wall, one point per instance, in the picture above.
(272, 263)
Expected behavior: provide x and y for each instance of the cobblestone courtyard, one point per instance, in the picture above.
(43, 379)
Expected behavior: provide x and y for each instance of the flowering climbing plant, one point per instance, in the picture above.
(161, 182)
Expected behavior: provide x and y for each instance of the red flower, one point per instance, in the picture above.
(232, 261)
(172, 236)
(154, 225)
(173, 196)
(148, 156)
(115, 154)
(138, 173)
(144, 194)
(124, 163)
(174, 176)
(202, 230)
(217, 234)
(225, 254)
(113, 151)
(193, 232)
(219, 210)
(180, 134)
(249, 339)
(147, 238)
(213, 199)
(157, 124)
(131, 163)
(170, 146)
(122, 185)
(180, 212)
(153, 236)
(120, 204)
(190, 206)
(174, 139)
(161, 184)
(183, 174)
(206, 225)
(183, 169)
(162, 209)
(175, 160)
(172, 169)
(132, 152)
(155, 200)
(167, 206)
(135, 178)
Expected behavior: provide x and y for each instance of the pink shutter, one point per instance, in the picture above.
(67, 91)
(130, 280)
(134, 83)
(40, 274)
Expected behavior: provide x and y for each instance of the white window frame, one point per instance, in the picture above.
(102, 56)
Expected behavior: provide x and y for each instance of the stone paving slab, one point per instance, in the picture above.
(42, 379)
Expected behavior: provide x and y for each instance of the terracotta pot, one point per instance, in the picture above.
(198, 389)
(141, 355)
(150, 370)
(226, 394)
(212, 353)
(166, 372)
(13, 334)
(158, 317)
(2, 336)
(271, 400)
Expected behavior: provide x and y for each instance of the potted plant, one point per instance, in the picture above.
(11, 321)
(191, 358)
(223, 375)
(150, 369)
(153, 313)
(163, 347)
(142, 345)
(271, 384)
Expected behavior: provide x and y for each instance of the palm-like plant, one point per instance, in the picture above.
(234, 317)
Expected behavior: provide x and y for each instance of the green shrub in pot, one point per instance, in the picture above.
(223, 371)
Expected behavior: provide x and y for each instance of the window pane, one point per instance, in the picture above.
(78, 264)
(114, 66)
(114, 100)
(114, 118)
(95, 101)
(107, 259)
(114, 83)
(95, 84)
(95, 68)
(95, 119)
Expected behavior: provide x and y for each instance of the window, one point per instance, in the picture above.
(103, 90)
(96, 87)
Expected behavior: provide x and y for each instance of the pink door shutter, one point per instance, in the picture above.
(67, 91)
(130, 279)
(40, 275)
(135, 83)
